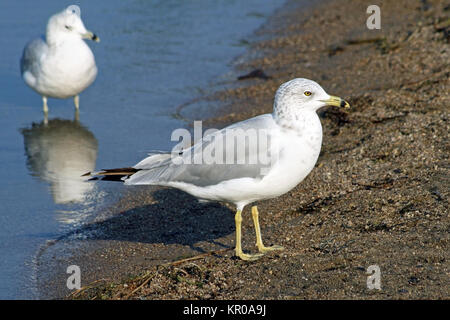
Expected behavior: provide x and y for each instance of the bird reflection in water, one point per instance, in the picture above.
(59, 152)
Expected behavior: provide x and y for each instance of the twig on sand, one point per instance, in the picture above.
(141, 285)
(174, 263)
(77, 292)
(148, 277)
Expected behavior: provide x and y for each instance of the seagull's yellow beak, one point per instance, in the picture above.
(91, 36)
(337, 102)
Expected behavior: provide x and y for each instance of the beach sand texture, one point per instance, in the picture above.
(378, 194)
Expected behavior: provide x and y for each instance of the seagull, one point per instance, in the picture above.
(265, 168)
(60, 65)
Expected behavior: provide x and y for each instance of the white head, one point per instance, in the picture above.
(67, 25)
(302, 95)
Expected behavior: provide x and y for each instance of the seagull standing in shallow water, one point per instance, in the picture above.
(61, 65)
(294, 133)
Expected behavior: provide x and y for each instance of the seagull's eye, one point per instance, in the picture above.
(68, 27)
(307, 93)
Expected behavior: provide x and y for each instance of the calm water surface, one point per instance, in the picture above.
(153, 56)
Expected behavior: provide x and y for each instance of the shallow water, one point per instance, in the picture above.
(153, 56)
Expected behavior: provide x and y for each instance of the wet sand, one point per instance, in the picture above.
(378, 194)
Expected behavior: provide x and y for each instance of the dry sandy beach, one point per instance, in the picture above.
(378, 194)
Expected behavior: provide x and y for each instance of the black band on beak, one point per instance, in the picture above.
(94, 37)
(342, 104)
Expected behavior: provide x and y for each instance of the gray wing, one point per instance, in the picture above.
(244, 149)
(32, 54)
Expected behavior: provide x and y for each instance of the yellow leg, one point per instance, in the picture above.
(239, 253)
(44, 105)
(259, 242)
(76, 102)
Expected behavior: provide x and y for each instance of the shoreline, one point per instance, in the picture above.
(378, 193)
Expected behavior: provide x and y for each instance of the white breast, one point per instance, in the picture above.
(66, 70)
(299, 152)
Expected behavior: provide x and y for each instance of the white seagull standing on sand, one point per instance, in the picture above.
(294, 133)
(61, 65)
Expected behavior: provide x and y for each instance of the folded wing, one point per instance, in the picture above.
(246, 149)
